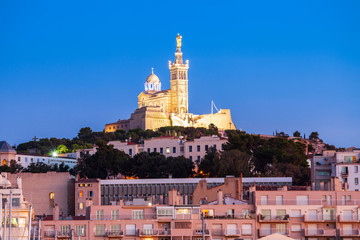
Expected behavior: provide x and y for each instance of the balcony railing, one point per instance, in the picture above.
(164, 232)
(320, 232)
(125, 217)
(148, 232)
(310, 202)
(114, 233)
(63, 234)
(350, 232)
(265, 232)
(349, 218)
(319, 218)
(231, 216)
(200, 232)
(49, 233)
(132, 233)
(278, 218)
(232, 232)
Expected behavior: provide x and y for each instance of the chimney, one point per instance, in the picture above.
(56, 212)
(220, 197)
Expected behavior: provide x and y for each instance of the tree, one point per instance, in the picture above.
(314, 135)
(62, 149)
(107, 161)
(38, 167)
(179, 167)
(13, 168)
(153, 165)
(296, 134)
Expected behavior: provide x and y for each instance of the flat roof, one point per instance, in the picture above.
(193, 180)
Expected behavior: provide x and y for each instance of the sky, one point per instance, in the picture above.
(278, 65)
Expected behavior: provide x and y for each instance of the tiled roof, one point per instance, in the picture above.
(6, 148)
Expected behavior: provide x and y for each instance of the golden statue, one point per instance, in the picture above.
(178, 40)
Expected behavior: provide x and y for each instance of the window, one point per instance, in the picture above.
(264, 200)
(25, 159)
(115, 229)
(99, 214)
(266, 214)
(198, 148)
(302, 200)
(190, 148)
(165, 212)
(190, 158)
(295, 213)
(215, 146)
(161, 150)
(99, 230)
(81, 206)
(356, 170)
(80, 230)
(279, 200)
(206, 147)
(265, 229)
(130, 152)
(198, 158)
(18, 159)
(296, 227)
(167, 150)
(51, 199)
(90, 193)
(114, 214)
(148, 150)
(65, 229)
(155, 150)
(16, 202)
(137, 214)
(281, 228)
(246, 229)
(81, 193)
(174, 149)
(356, 181)
(130, 229)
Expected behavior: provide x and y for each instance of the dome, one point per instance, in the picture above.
(152, 83)
(152, 78)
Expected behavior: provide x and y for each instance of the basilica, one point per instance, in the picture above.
(160, 108)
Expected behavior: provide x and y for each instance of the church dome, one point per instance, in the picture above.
(152, 83)
(152, 78)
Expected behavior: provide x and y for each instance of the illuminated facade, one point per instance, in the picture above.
(159, 108)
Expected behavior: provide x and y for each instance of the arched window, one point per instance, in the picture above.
(4, 162)
(51, 200)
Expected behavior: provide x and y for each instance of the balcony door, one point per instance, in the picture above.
(347, 215)
(329, 213)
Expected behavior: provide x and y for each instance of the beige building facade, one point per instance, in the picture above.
(160, 108)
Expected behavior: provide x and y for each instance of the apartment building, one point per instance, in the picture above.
(171, 146)
(343, 165)
(314, 215)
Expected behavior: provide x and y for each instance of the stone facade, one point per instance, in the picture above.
(159, 108)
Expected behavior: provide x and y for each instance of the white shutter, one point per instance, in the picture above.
(130, 229)
(231, 229)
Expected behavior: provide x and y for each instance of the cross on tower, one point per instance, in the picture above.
(35, 138)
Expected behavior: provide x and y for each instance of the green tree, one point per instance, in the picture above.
(296, 134)
(153, 165)
(38, 167)
(107, 161)
(62, 149)
(179, 167)
(314, 135)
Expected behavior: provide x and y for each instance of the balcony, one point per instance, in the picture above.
(165, 232)
(319, 218)
(231, 232)
(349, 218)
(231, 216)
(265, 232)
(269, 218)
(200, 232)
(114, 234)
(320, 232)
(63, 234)
(148, 232)
(49, 233)
(349, 233)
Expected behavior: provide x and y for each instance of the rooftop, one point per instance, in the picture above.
(6, 148)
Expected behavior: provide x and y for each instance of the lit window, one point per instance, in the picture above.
(51, 199)
(4, 162)
(81, 205)
(80, 193)
(167, 150)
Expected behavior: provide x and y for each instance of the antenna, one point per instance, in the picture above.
(213, 106)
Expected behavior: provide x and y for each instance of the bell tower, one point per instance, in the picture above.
(179, 81)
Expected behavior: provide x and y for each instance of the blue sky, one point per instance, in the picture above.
(278, 65)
